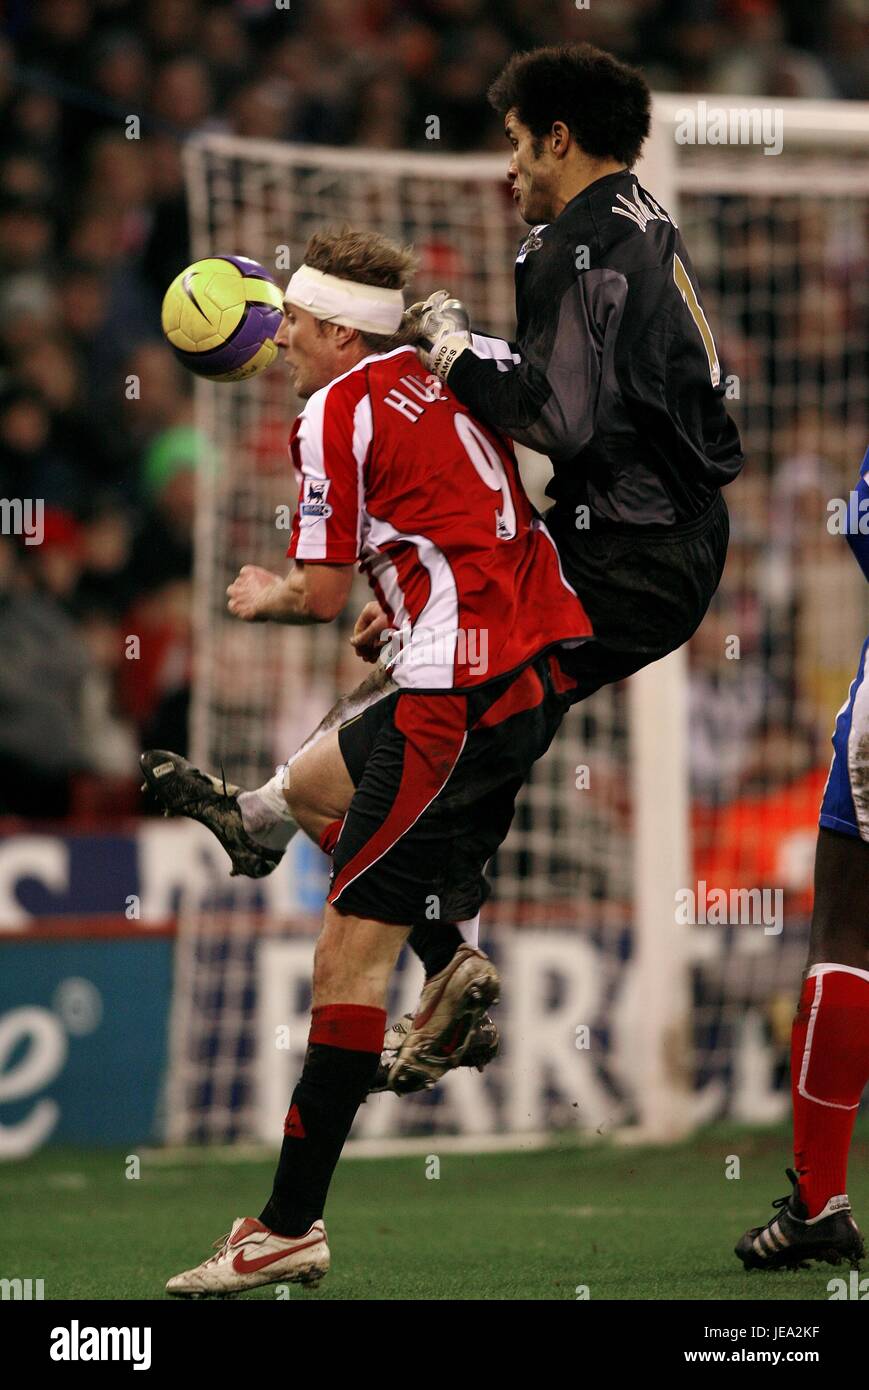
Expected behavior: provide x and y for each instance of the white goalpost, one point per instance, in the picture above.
(614, 1016)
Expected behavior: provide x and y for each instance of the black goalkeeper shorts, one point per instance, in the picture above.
(436, 779)
(645, 589)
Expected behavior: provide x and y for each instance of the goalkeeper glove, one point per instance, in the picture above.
(434, 301)
(443, 333)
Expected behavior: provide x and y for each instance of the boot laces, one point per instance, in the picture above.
(220, 1246)
(780, 1202)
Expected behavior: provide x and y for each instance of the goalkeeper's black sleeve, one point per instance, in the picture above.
(546, 398)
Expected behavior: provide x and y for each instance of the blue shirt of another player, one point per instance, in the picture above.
(860, 543)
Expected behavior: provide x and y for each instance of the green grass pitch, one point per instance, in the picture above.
(630, 1223)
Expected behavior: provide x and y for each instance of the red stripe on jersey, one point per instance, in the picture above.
(326, 449)
(382, 599)
(413, 578)
(435, 729)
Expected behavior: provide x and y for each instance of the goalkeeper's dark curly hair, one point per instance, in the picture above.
(604, 103)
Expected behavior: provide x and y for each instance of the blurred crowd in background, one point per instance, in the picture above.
(95, 415)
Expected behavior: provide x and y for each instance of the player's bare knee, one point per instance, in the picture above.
(317, 786)
(301, 796)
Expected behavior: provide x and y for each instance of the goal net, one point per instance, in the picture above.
(702, 773)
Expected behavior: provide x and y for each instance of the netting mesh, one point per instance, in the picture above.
(783, 265)
(783, 278)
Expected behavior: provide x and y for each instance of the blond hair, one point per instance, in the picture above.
(369, 259)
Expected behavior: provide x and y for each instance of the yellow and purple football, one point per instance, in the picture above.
(220, 315)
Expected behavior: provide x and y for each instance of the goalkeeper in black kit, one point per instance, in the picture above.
(614, 373)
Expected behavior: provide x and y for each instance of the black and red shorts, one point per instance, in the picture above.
(436, 779)
(645, 589)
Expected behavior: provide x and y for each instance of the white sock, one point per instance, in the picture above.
(470, 930)
(265, 814)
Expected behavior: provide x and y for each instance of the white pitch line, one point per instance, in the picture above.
(362, 1148)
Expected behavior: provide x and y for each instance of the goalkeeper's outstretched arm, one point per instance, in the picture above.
(544, 393)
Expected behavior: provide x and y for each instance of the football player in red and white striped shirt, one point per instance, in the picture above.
(397, 477)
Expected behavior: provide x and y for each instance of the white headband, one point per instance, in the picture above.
(366, 307)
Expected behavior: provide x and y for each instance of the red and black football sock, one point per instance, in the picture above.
(829, 1069)
(435, 943)
(344, 1047)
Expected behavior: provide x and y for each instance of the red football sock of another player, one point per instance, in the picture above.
(829, 1069)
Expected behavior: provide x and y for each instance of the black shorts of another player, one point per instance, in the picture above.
(436, 779)
(645, 589)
